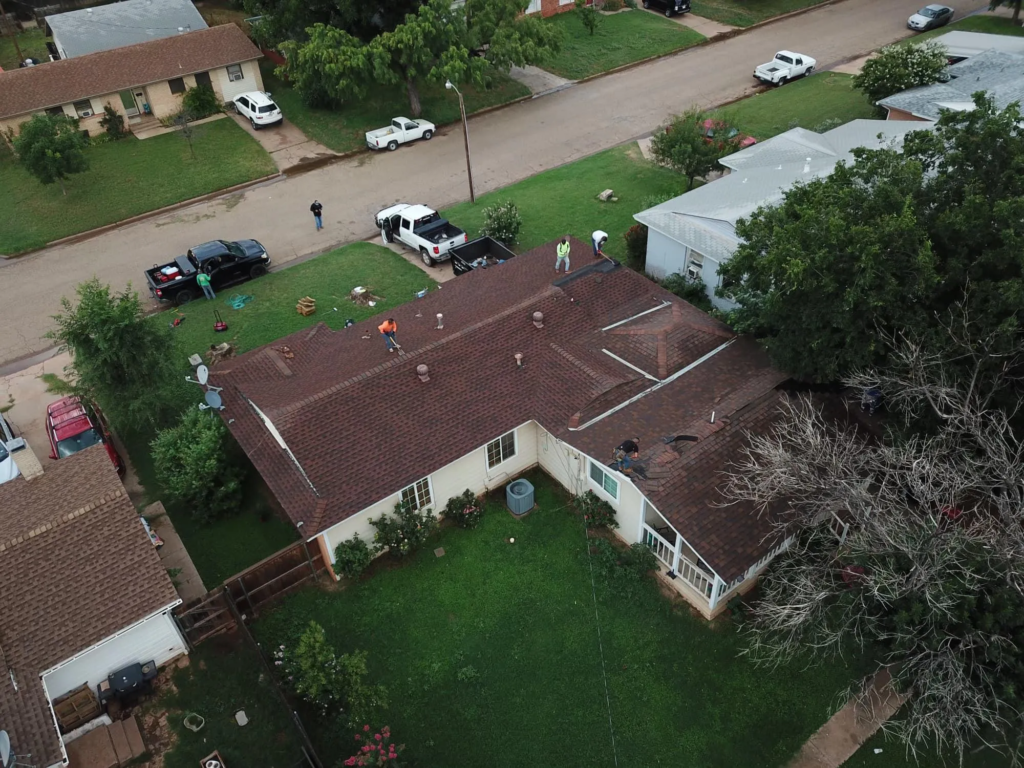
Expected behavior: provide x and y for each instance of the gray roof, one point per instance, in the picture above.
(705, 218)
(969, 44)
(116, 25)
(998, 73)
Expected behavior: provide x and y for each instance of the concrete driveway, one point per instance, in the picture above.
(508, 145)
(288, 145)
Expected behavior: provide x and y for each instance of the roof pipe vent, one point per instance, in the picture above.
(519, 359)
(538, 319)
(440, 321)
(423, 372)
(807, 165)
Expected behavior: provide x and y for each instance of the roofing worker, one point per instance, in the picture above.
(626, 453)
(388, 328)
(599, 238)
(563, 254)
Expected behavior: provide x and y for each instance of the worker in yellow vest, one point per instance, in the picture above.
(563, 254)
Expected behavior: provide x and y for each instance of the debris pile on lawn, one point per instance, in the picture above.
(286, 352)
(363, 297)
(306, 306)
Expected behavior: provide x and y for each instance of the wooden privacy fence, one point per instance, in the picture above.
(275, 576)
(206, 616)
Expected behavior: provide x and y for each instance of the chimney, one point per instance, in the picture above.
(807, 165)
(538, 319)
(423, 372)
(440, 321)
(519, 359)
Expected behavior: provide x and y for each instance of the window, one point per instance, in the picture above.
(55, 111)
(695, 265)
(203, 78)
(604, 480)
(417, 495)
(84, 108)
(177, 85)
(235, 72)
(266, 109)
(502, 449)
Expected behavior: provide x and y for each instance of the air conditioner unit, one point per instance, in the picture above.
(693, 271)
(235, 76)
(86, 113)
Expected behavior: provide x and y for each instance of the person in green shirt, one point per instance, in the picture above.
(204, 282)
(563, 254)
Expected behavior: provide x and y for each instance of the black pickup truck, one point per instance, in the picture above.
(226, 263)
(478, 254)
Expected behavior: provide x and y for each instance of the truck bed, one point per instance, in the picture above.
(438, 231)
(185, 270)
(481, 253)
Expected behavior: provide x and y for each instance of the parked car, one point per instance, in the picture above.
(401, 130)
(258, 107)
(226, 262)
(670, 7)
(420, 228)
(719, 130)
(930, 17)
(481, 253)
(8, 445)
(784, 67)
(73, 426)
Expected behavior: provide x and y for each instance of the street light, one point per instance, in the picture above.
(465, 132)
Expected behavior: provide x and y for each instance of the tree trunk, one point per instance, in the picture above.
(61, 182)
(414, 97)
(1016, 12)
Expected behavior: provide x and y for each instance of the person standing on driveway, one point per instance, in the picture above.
(318, 212)
(563, 254)
(387, 329)
(204, 282)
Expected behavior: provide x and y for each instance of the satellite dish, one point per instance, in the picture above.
(213, 399)
(203, 374)
(5, 749)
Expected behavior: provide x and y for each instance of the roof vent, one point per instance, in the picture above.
(807, 165)
(423, 372)
(538, 319)
(519, 359)
(440, 321)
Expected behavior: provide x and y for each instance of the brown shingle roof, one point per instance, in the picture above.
(345, 400)
(77, 568)
(32, 89)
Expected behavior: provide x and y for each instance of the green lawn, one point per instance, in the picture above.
(224, 676)
(564, 200)
(806, 103)
(744, 13)
(343, 130)
(32, 44)
(620, 39)
(491, 657)
(993, 25)
(125, 178)
(228, 546)
(893, 755)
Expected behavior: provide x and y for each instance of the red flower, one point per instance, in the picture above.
(350, 761)
(366, 727)
(357, 737)
(377, 737)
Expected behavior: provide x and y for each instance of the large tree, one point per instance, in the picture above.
(1014, 4)
(685, 146)
(51, 147)
(281, 20)
(899, 67)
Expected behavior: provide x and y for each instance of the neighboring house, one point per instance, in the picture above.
(82, 593)
(999, 73)
(695, 233)
(105, 27)
(963, 45)
(342, 430)
(142, 82)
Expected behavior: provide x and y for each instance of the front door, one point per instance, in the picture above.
(131, 109)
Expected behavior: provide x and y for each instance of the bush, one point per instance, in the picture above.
(352, 557)
(693, 291)
(899, 67)
(636, 247)
(588, 15)
(200, 102)
(404, 531)
(376, 749)
(828, 124)
(615, 562)
(196, 463)
(464, 510)
(612, 5)
(597, 513)
(502, 221)
(113, 123)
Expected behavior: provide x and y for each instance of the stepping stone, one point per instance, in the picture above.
(134, 736)
(439, 552)
(120, 742)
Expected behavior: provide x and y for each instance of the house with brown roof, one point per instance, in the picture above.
(506, 369)
(82, 594)
(142, 82)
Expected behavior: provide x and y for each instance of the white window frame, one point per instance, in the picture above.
(238, 70)
(416, 493)
(88, 109)
(607, 476)
(694, 262)
(501, 457)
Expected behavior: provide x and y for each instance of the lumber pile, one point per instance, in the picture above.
(306, 306)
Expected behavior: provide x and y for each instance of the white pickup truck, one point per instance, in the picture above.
(401, 130)
(419, 228)
(784, 67)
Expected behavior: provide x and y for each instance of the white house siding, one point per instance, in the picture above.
(666, 256)
(470, 472)
(251, 80)
(155, 639)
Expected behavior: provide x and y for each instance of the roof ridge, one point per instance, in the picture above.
(61, 520)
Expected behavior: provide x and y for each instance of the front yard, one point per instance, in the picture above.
(496, 655)
(743, 13)
(620, 39)
(32, 43)
(125, 178)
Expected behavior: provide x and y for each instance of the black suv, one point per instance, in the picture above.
(671, 7)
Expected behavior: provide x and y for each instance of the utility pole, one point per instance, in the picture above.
(14, 34)
(465, 134)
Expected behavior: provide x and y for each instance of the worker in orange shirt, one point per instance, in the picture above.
(388, 328)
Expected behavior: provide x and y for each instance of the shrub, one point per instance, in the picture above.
(196, 463)
(588, 15)
(352, 557)
(597, 513)
(502, 221)
(636, 247)
(465, 510)
(631, 4)
(375, 749)
(404, 531)
(200, 102)
(693, 291)
(625, 569)
(113, 123)
(828, 124)
(612, 5)
(899, 67)
(51, 148)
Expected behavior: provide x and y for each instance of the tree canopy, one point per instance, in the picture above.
(51, 147)
(899, 67)
(685, 147)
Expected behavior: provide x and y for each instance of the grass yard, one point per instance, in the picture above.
(744, 13)
(893, 755)
(564, 200)
(620, 39)
(343, 130)
(224, 675)
(993, 25)
(125, 178)
(491, 657)
(228, 546)
(806, 103)
(33, 46)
